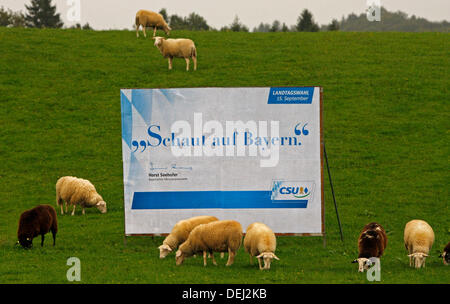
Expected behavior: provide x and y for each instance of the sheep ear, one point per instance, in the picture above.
(275, 257)
(355, 261)
(425, 255)
(178, 254)
(410, 255)
(260, 256)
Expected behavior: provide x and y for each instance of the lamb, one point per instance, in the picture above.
(37, 221)
(151, 19)
(78, 191)
(181, 48)
(180, 233)
(446, 254)
(419, 238)
(218, 236)
(372, 242)
(260, 241)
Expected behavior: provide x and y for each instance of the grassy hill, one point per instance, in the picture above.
(386, 128)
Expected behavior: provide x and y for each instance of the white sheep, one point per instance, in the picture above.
(78, 191)
(218, 236)
(260, 241)
(151, 19)
(180, 48)
(180, 233)
(419, 238)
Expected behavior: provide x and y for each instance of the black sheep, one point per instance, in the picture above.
(37, 221)
(372, 242)
(446, 254)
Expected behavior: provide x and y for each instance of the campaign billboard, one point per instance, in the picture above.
(251, 154)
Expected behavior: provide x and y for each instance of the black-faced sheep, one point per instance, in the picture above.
(260, 241)
(78, 191)
(181, 48)
(419, 238)
(37, 221)
(218, 236)
(372, 242)
(151, 19)
(446, 254)
(180, 232)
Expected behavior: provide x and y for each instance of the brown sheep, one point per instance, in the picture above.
(37, 221)
(151, 19)
(446, 254)
(372, 242)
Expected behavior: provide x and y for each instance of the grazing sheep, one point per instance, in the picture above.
(218, 236)
(78, 191)
(260, 241)
(419, 238)
(372, 242)
(181, 48)
(151, 19)
(180, 233)
(37, 221)
(446, 254)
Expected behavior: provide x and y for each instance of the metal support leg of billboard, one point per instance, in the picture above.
(332, 192)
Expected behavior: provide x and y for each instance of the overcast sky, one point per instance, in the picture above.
(119, 14)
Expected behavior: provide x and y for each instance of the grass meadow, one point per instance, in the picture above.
(386, 129)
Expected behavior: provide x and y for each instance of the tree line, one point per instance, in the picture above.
(42, 14)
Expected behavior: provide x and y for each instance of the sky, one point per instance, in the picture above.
(120, 14)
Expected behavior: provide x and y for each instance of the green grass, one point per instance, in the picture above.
(386, 128)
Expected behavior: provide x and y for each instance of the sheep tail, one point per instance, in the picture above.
(137, 21)
(194, 52)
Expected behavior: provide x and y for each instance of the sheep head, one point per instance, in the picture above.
(25, 241)
(164, 250)
(419, 259)
(363, 263)
(101, 206)
(158, 41)
(179, 257)
(267, 258)
(167, 29)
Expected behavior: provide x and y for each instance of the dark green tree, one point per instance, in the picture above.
(333, 26)
(237, 26)
(163, 12)
(305, 22)
(196, 22)
(42, 14)
(276, 26)
(10, 18)
(284, 28)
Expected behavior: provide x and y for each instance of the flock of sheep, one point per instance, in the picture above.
(169, 48)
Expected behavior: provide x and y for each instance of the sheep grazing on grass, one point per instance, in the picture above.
(77, 191)
(218, 236)
(37, 221)
(419, 238)
(446, 254)
(180, 48)
(260, 241)
(151, 19)
(180, 233)
(372, 242)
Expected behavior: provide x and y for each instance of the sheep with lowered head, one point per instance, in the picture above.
(372, 242)
(218, 236)
(260, 241)
(180, 48)
(37, 221)
(180, 233)
(151, 19)
(419, 238)
(78, 191)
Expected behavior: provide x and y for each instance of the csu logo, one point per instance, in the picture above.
(293, 190)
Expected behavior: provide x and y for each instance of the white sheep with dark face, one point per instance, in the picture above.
(179, 48)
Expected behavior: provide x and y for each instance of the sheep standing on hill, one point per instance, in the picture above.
(181, 48)
(180, 233)
(446, 254)
(419, 238)
(218, 236)
(78, 191)
(260, 241)
(37, 221)
(372, 242)
(151, 19)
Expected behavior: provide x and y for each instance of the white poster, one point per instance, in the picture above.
(247, 154)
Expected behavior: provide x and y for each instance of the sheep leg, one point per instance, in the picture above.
(54, 236)
(82, 210)
(42, 240)
(187, 63)
(170, 63)
(230, 257)
(143, 29)
(137, 30)
(66, 206)
(260, 265)
(204, 258)
(154, 31)
(62, 208)
(213, 259)
(73, 211)
(194, 58)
